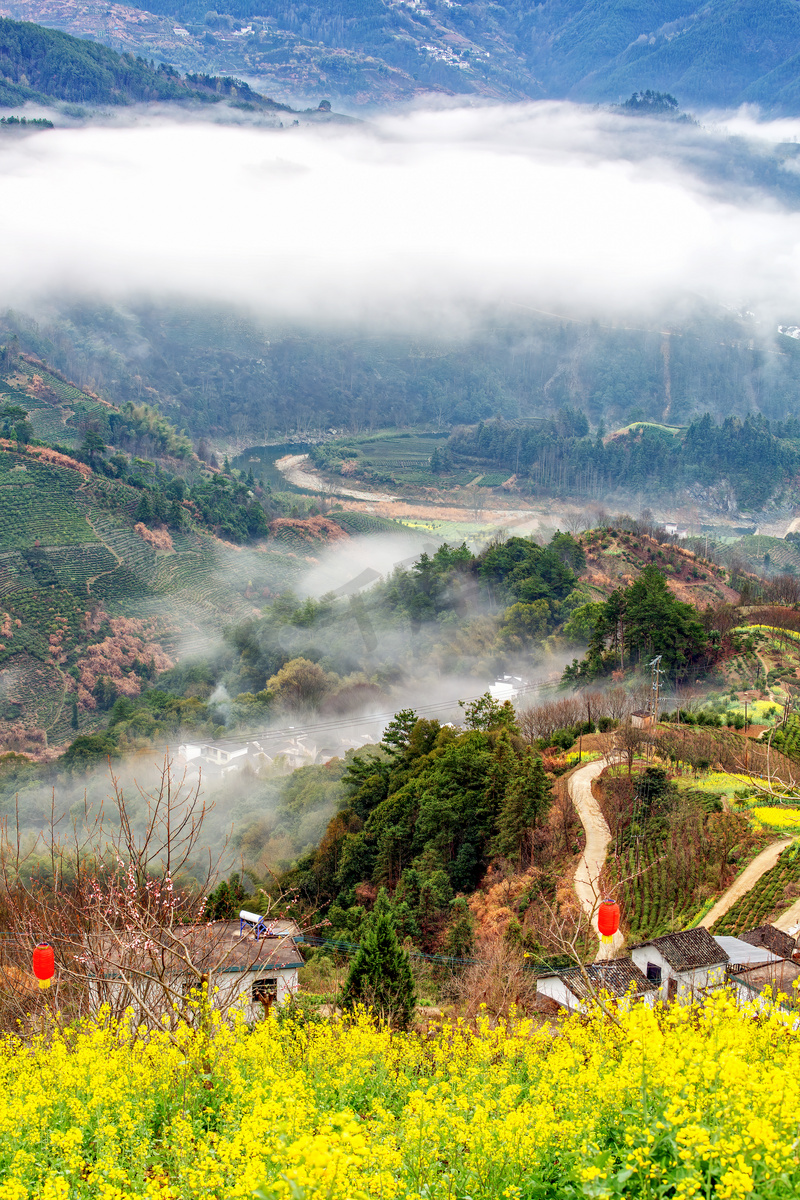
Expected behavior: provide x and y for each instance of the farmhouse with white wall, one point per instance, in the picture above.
(575, 987)
(252, 962)
(683, 966)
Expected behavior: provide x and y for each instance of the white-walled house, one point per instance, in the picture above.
(683, 966)
(618, 977)
(215, 762)
(253, 961)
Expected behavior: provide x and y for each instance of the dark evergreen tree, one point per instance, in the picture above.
(460, 938)
(144, 509)
(527, 800)
(380, 975)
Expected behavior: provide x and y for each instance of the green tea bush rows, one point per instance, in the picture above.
(136, 554)
(358, 522)
(15, 574)
(73, 567)
(787, 739)
(41, 508)
(659, 894)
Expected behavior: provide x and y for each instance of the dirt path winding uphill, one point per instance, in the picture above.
(598, 835)
(747, 880)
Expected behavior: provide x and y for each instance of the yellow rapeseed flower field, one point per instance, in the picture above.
(687, 1102)
(776, 817)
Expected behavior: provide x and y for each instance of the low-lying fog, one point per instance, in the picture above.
(430, 212)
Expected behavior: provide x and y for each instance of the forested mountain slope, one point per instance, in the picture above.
(43, 65)
(721, 53)
(120, 552)
(222, 373)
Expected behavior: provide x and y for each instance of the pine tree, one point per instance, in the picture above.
(461, 933)
(526, 802)
(144, 509)
(380, 974)
(501, 771)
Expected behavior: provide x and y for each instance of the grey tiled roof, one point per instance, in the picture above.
(770, 938)
(689, 949)
(617, 976)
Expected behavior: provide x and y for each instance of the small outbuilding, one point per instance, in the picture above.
(574, 987)
(770, 938)
(252, 961)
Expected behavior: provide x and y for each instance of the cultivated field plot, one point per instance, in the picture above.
(41, 506)
(15, 574)
(130, 550)
(41, 613)
(358, 522)
(660, 893)
(759, 550)
(406, 459)
(27, 677)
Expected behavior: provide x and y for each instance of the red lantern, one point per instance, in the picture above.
(44, 964)
(608, 920)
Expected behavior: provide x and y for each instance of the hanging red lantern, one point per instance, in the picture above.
(608, 920)
(44, 964)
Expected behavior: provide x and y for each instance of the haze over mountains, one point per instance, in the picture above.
(367, 53)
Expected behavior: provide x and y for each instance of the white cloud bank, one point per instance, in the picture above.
(434, 212)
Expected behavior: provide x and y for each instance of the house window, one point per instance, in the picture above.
(653, 973)
(265, 990)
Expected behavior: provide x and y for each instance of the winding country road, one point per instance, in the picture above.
(598, 835)
(747, 880)
(297, 469)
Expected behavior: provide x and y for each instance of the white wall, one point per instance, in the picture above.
(555, 989)
(233, 987)
(691, 985)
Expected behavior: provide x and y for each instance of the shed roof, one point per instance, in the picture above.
(745, 954)
(617, 976)
(214, 946)
(689, 949)
(776, 940)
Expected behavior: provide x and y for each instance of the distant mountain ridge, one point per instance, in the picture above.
(708, 53)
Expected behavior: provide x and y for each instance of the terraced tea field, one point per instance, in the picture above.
(40, 504)
(57, 410)
(661, 892)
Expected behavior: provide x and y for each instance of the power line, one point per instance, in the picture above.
(295, 732)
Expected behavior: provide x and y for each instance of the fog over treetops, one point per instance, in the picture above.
(430, 214)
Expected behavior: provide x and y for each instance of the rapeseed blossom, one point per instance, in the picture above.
(686, 1102)
(775, 817)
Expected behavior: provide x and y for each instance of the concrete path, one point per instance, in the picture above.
(598, 835)
(748, 879)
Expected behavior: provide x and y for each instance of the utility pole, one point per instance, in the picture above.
(655, 688)
(746, 739)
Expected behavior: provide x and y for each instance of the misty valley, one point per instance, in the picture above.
(399, 600)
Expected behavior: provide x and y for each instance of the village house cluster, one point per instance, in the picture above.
(681, 968)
